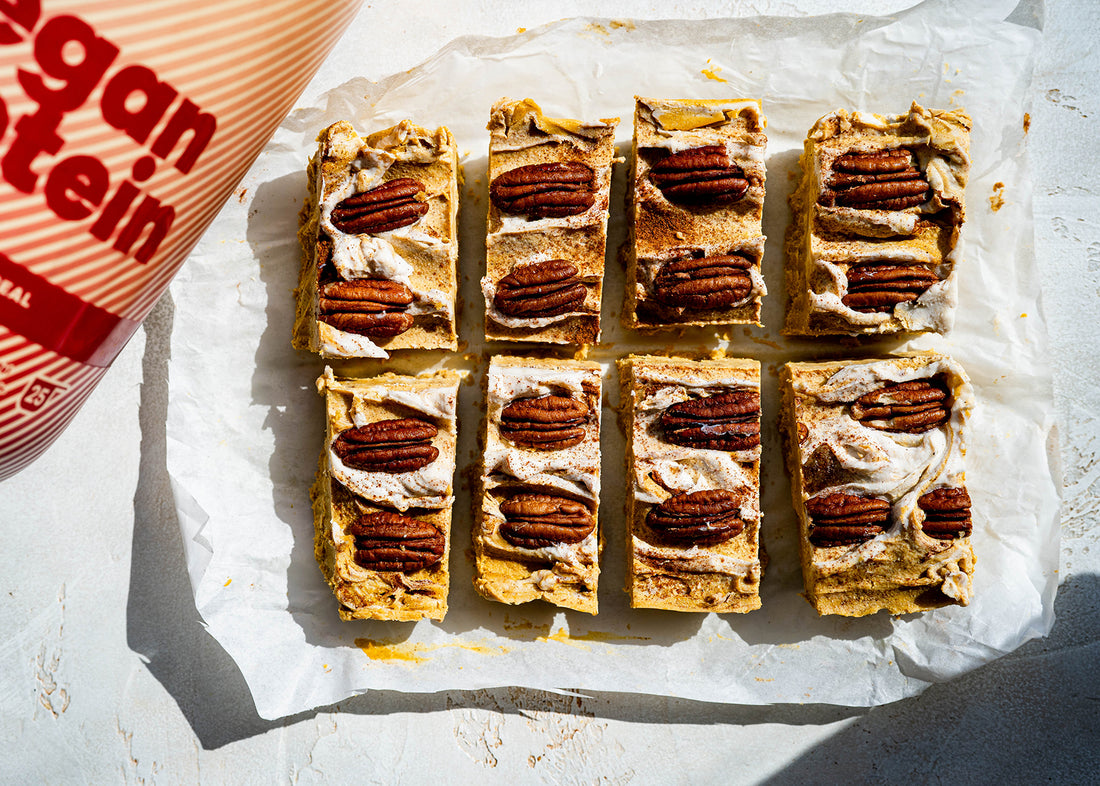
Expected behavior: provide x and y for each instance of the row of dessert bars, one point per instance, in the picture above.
(874, 449)
(871, 248)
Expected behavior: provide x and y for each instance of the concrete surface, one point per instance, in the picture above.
(102, 650)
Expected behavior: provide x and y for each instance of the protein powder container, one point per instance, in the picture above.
(124, 127)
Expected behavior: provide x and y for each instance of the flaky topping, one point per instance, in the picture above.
(517, 124)
(947, 131)
(673, 116)
(546, 420)
(876, 440)
(363, 219)
(374, 456)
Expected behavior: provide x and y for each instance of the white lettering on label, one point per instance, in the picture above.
(14, 293)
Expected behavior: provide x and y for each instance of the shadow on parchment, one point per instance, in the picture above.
(1030, 715)
(1036, 708)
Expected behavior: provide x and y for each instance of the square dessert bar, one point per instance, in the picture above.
(874, 237)
(538, 501)
(549, 180)
(693, 475)
(379, 239)
(383, 494)
(695, 198)
(875, 453)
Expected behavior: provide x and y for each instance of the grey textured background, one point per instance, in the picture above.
(106, 673)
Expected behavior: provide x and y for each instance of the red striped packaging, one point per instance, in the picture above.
(124, 127)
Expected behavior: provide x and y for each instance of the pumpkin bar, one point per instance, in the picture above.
(875, 453)
(693, 474)
(549, 180)
(874, 239)
(695, 200)
(537, 507)
(383, 494)
(379, 238)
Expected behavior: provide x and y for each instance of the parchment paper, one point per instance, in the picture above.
(245, 424)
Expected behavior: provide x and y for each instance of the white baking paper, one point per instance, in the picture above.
(245, 423)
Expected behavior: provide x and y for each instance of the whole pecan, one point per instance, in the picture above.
(703, 283)
(841, 519)
(946, 513)
(392, 205)
(385, 540)
(541, 289)
(878, 287)
(697, 518)
(876, 180)
(534, 521)
(726, 421)
(366, 306)
(545, 422)
(913, 407)
(699, 176)
(552, 190)
(393, 446)
(385, 325)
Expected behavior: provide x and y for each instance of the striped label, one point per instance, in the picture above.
(59, 321)
(124, 127)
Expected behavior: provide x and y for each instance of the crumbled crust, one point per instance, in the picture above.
(724, 577)
(341, 494)
(824, 242)
(660, 231)
(521, 135)
(565, 575)
(423, 256)
(902, 569)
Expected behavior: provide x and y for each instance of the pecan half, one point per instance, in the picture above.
(371, 307)
(393, 446)
(534, 521)
(843, 519)
(552, 190)
(946, 513)
(703, 283)
(697, 518)
(913, 407)
(545, 422)
(699, 176)
(392, 205)
(876, 180)
(384, 325)
(385, 540)
(878, 287)
(541, 289)
(726, 421)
